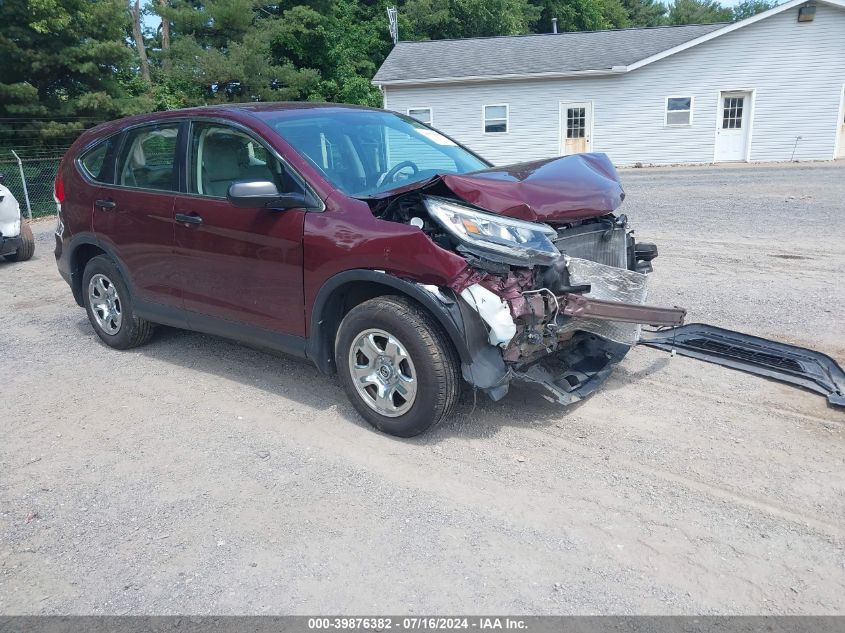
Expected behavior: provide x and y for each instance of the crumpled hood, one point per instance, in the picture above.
(552, 190)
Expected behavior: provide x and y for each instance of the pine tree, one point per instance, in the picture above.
(62, 66)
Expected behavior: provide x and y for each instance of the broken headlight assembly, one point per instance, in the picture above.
(511, 241)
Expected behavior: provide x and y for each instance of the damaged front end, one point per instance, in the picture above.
(554, 292)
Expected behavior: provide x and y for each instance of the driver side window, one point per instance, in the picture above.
(221, 155)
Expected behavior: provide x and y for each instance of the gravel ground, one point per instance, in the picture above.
(195, 475)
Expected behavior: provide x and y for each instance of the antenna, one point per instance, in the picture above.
(394, 24)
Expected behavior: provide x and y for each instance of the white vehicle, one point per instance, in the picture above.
(16, 241)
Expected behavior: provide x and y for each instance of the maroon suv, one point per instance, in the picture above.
(360, 239)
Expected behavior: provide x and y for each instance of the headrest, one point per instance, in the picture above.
(221, 156)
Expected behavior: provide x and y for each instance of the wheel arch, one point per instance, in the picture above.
(344, 291)
(83, 250)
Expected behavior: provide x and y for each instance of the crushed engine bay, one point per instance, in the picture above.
(563, 296)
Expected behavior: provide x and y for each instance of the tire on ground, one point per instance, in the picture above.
(27, 247)
(435, 362)
(133, 331)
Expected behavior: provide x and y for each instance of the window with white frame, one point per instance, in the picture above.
(423, 115)
(495, 119)
(678, 111)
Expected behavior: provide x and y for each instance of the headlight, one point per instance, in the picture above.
(515, 241)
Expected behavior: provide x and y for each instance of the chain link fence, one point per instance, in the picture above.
(31, 179)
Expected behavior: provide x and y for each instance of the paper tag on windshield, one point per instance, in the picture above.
(437, 137)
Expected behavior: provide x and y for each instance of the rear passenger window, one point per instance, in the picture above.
(148, 158)
(94, 161)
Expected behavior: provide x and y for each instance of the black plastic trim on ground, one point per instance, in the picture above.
(770, 359)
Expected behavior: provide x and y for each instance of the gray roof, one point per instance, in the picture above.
(532, 54)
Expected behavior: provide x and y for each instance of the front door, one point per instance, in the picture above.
(576, 127)
(733, 126)
(241, 266)
(134, 217)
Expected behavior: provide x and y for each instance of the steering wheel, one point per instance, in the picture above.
(390, 174)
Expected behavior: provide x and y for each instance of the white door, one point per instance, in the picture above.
(733, 126)
(840, 146)
(841, 152)
(576, 127)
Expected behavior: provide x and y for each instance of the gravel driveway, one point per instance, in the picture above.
(195, 475)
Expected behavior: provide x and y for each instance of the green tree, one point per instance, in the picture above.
(748, 8)
(645, 12)
(449, 19)
(698, 12)
(343, 43)
(222, 50)
(580, 15)
(61, 68)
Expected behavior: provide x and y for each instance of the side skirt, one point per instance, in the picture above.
(194, 321)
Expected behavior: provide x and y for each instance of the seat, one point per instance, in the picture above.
(221, 163)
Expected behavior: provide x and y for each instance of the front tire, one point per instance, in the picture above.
(109, 306)
(27, 247)
(397, 366)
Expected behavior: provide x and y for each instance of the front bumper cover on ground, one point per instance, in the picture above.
(779, 361)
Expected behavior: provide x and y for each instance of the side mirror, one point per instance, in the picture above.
(263, 194)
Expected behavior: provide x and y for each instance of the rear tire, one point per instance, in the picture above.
(397, 366)
(27, 247)
(109, 306)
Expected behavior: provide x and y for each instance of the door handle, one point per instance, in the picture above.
(188, 218)
(106, 204)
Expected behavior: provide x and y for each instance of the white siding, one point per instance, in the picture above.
(796, 71)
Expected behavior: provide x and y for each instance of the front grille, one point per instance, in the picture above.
(595, 242)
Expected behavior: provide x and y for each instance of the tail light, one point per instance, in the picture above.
(59, 188)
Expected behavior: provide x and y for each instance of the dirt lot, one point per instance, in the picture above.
(195, 475)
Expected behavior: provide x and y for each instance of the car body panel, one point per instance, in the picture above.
(241, 264)
(347, 236)
(554, 190)
(139, 229)
(10, 214)
(558, 189)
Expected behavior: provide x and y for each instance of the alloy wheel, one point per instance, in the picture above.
(105, 303)
(383, 372)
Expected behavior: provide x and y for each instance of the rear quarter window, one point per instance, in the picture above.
(96, 162)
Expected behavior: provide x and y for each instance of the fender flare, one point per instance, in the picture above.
(445, 310)
(74, 277)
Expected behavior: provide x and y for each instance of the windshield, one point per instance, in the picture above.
(364, 152)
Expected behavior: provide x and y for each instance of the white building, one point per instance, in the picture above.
(768, 88)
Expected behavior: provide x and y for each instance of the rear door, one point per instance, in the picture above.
(243, 266)
(134, 216)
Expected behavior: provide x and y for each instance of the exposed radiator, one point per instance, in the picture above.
(595, 242)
